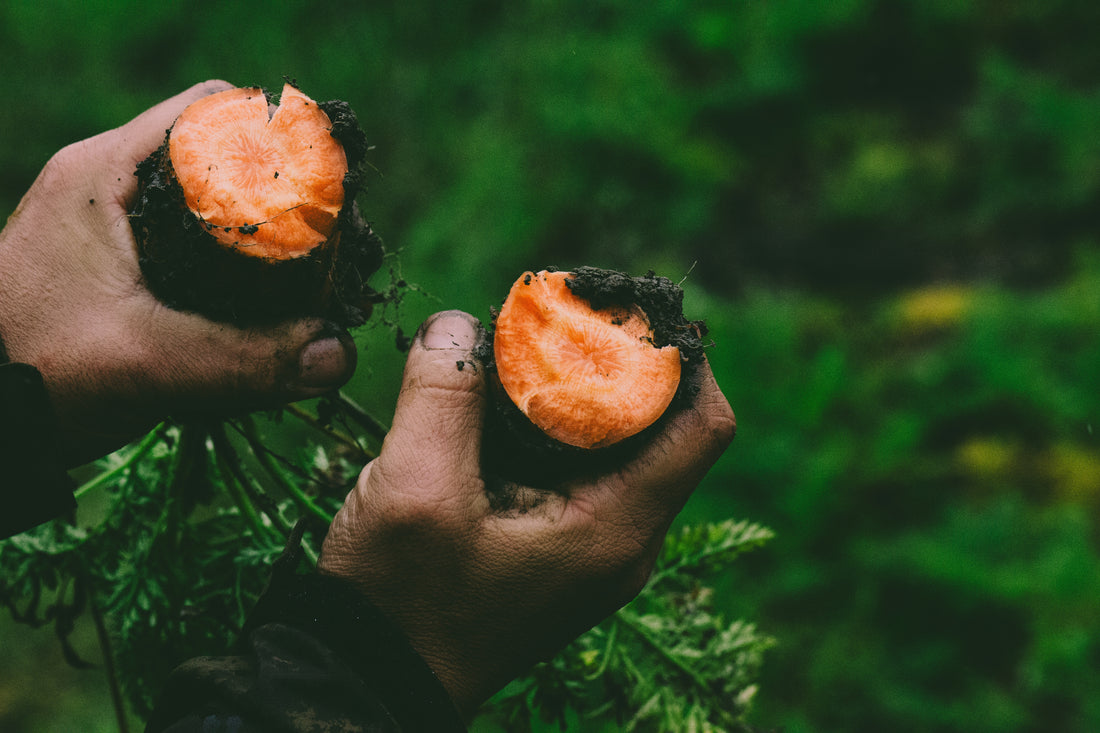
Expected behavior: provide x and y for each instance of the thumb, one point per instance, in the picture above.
(181, 365)
(202, 367)
(437, 423)
(132, 142)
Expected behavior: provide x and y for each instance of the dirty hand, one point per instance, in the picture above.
(114, 360)
(481, 593)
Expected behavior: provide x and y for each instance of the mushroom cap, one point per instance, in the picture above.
(268, 184)
(587, 378)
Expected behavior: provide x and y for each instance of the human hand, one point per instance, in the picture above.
(114, 359)
(482, 593)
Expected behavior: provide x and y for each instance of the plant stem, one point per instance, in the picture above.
(634, 624)
(742, 537)
(247, 494)
(138, 452)
(374, 427)
(612, 635)
(331, 432)
(107, 651)
(248, 429)
(236, 482)
(243, 504)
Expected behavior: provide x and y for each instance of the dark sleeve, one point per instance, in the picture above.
(316, 657)
(34, 485)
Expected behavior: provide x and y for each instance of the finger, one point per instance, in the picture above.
(649, 491)
(106, 163)
(219, 367)
(436, 433)
(121, 149)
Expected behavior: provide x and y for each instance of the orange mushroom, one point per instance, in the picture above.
(270, 184)
(247, 212)
(587, 378)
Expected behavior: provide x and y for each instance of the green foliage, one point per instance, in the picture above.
(892, 206)
(192, 522)
(667, 662)
(196, 517)
(169, 571)
(931, 466)
(846, 147)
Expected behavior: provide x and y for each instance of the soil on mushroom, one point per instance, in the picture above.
(583, 363)
(247, 212)
(586, 377)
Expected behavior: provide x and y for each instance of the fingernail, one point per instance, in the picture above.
(325, 363)
(449, 330)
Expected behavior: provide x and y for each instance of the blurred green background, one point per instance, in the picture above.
(887, 212)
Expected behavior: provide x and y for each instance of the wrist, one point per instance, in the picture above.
(337, 614)
(34, 484)
(27, 300)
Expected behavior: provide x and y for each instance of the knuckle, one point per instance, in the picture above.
(723, 422)
(60, 164)
(413, 504)
(67, 166)
(711, 412)
(259, 366)
(213, 85)
(413, 513)
(709, 425)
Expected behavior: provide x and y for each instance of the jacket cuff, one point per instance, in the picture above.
(338, 615)
(34, 485)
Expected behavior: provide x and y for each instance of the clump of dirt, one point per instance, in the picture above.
(659, 298)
